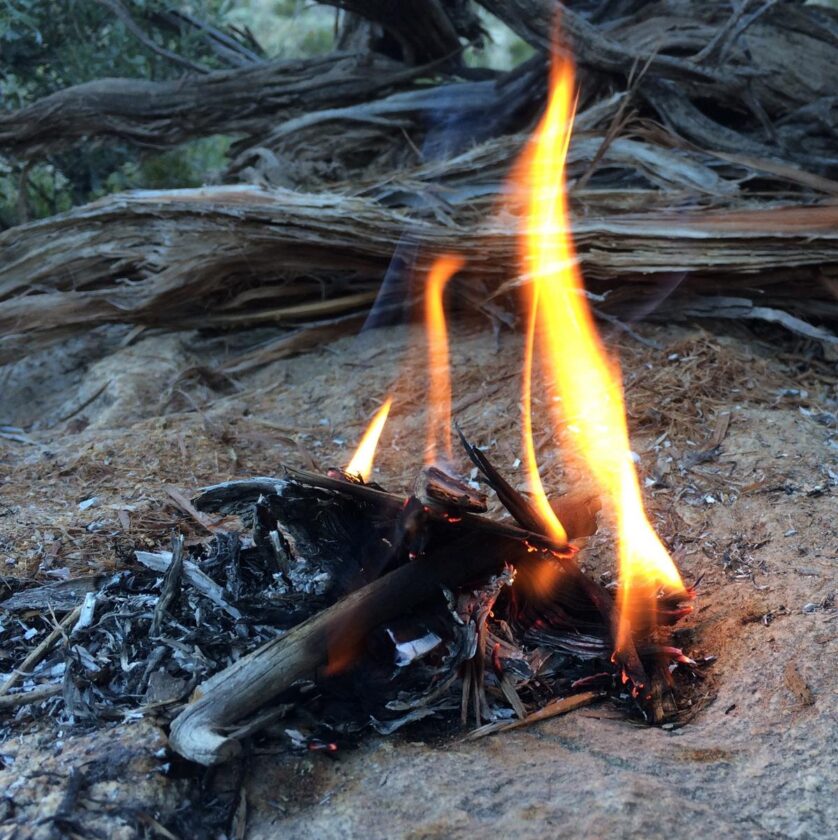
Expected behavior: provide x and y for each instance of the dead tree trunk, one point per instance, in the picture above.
(193, 257)
(696, 153)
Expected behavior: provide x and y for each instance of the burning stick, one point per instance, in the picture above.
(551, 710)
(478, 550)
(456, 552)
(227, 697)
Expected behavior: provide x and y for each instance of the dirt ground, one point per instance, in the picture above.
(748, 505)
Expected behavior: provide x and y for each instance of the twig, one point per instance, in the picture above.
(621, 325)
(708, 49)
(171, 585)
(222, 44)
(40, 651)
(618, 123)
(188, 508)
(743, 25)
(131, 25)
(35, 695)
(205, 585)
(554, 709)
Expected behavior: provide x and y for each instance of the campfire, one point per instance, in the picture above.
(322, 603)
(402, 411)
(435, 608)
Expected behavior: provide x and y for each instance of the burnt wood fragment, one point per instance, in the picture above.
(437, 486)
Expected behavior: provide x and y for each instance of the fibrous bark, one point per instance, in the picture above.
(161, 114)
(196, 258)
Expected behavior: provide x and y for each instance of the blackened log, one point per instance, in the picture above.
(238, 496)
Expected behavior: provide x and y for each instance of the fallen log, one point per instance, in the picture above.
(157, 115)
(187, 253)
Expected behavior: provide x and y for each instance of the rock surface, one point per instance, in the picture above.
(757, 520)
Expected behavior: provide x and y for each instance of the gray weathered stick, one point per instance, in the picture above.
(35, 657)
(329, 638)
(34, 695)
(160, 561)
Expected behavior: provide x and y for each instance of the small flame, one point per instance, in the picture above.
(585, 390)
(439, 396)
(362, 460)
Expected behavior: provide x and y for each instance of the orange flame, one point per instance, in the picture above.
(439, 396)
(586, 393)
(362, 460)
(539, 496)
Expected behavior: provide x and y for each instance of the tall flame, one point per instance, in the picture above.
(439, 387)
(586, 396)
(362, 460)
(539, 496)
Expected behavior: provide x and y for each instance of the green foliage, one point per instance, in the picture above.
(48, 45)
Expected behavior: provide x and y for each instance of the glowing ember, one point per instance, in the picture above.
(584, 386)
(362, 460)
(439, 391)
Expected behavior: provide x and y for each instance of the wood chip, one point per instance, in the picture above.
(797, 685)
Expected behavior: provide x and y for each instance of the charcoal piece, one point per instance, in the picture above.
(450, 491)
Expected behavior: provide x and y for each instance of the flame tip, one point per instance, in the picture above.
(361, 463)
